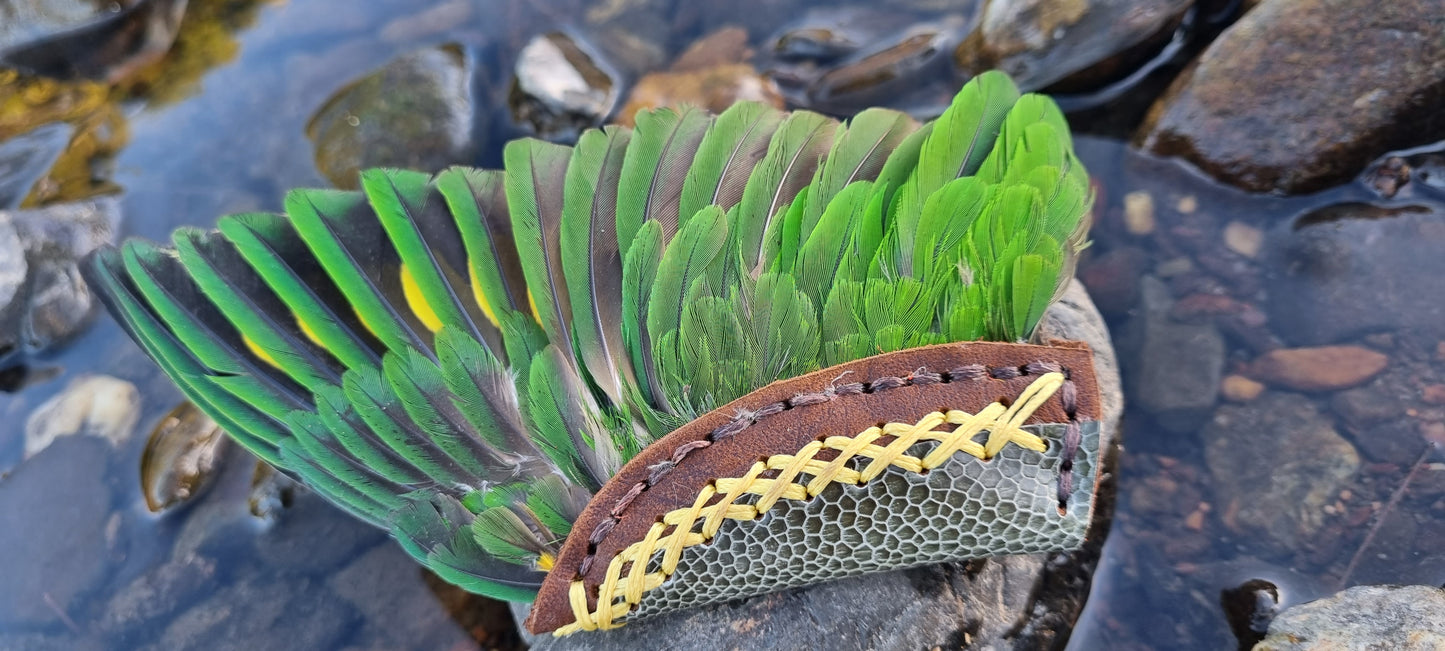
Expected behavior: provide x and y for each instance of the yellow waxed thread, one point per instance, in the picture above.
(417, 301)
(616, 597)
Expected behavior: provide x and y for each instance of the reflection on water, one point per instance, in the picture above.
(1242, 463)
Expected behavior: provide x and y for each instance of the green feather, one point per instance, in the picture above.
(796, 150)
(535, 185)
(735, 142)
(664, 144)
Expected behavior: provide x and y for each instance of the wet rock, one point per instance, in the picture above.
(1276, 463)
(12, 262)
(418, 112)
(26, 158)
(1320, 368)
(182, 453)
(107, 46)
(162, 591)
(1299, 95)
(711, 74)
(1113, 278)
(292, 542)
(255, 613)
(1177, 366)
(1039, 42)
(1250, 607)
(1357, 269)
(52, 302)
(1375, 416)
(560, 88)
(386, 587)
(94, 405)
(53, 514)
(27, 20)
(994, 603)
(846, 59)
(1363, 617)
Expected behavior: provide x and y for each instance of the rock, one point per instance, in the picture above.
(254, 613)
(1299, 95)
(1354, 269)
(722, 47)
(560, 88)
(161, 591)
(26, 158)
(1321, 368)
(1039, 42)
(1113, 278)
(108, 47)
(995, 603)
(28, 20)
(52, 302)
(1237, 388)
(1277, 462)
(52, 560)
(93, 405)
(12, 264)
(1363, 617)
(1250, 607)
(1139, 213)
(386, 587)
(182, 453)
(713, 89)
(1177, 366)
(416, 112)
(292, 542)
(1243, 239)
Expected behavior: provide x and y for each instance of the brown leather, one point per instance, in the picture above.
(787, 431)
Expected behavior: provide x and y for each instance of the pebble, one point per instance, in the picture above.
(713, 89)
(1139, 213)
(560, 88)
(94, 405)
(1243, 239)
(1238, 388)
(1320, 368)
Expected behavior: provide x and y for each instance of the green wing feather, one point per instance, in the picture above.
(463, 359)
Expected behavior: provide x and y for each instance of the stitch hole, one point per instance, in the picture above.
(1005, 401)
(1023, 369)
(867, 387)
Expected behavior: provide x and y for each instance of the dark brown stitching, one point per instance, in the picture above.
(745, 418)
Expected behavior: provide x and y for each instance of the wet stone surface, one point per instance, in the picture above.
(560, 87)
(1299, 95)
(1176, 367)
(417, 112)
(1365, 617)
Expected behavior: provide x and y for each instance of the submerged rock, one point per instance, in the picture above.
(417, 112)
(561, 88)
(1177, 366)
(96, 405)
(1276, 462)
(180, 457)
(261, 614)
(26, 158)
(1321, 368)
(1039, 42)
(108, 44)
(1299, 95)
(1354, 269)
(49, 562)
(711, 74)
(1364, 617)
(995, 603)
(386, 587)
(161, 591)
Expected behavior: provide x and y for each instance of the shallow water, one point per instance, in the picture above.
(231, 136)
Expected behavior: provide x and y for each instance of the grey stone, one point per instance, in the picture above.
(50, 562)
(13, 267)
(52, 302)
(1177, 367)
(161, 591)
(417, 111)
(255, 613)
(1299, 95)
(293, 542)
(1039, 42)
(560, 87)
(1373, 618)
(1278, 461)
(1353, 269)
(990, 604)
(386, 587)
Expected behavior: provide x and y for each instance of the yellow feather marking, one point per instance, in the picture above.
(310, 334)
(417, 302)
(533, 304)
(259, 352)
(482, 301)
(545, 562)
